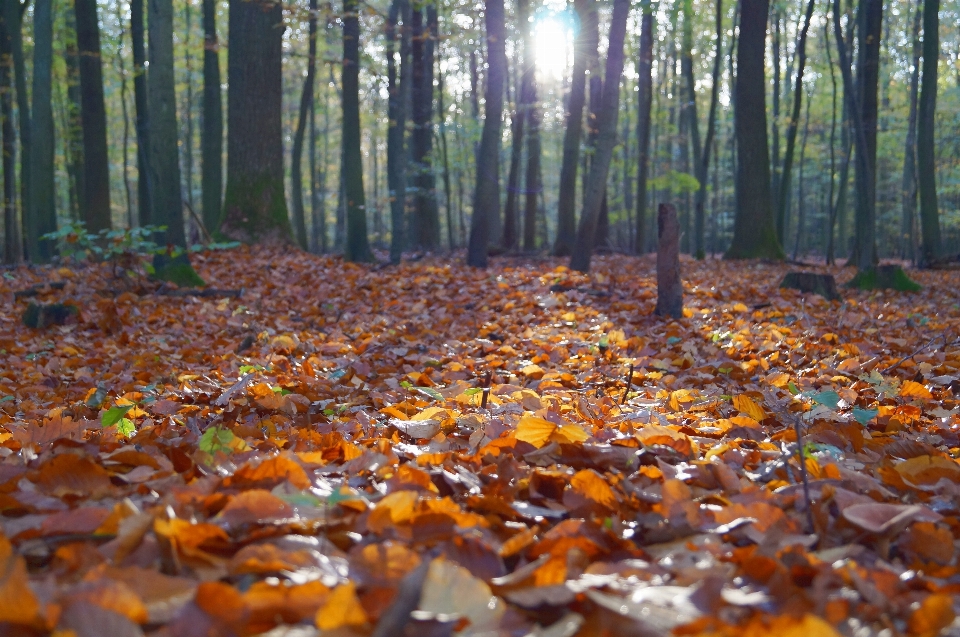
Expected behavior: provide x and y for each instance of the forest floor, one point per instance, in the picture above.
(319, 454)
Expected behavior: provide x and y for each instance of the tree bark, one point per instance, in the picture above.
(13, 18)
(755, 234)
(43, 195)
(645, 97)
(166, 208)
(868, 72)
(125, 153)
(792, 127)
(448, 193)
(595, 192)
(908, 191)
(211, 136)
(669, 285)
(398, 90)
(142, 120)
(306, 105)
(486, 199)
(13, 247)
(426, 216)
(533, 187)
(703, 166)
(926, 155)
(573, 133)
(511, 221)
(356, 247)
(93, 114)
(254, 208)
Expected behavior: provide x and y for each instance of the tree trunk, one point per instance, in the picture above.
(775, 49)
(908, 192)
(831, 223)
(486, 199)
(43, 197)
(784, 187)
(511, 221)
(533, 188)
(398, 90)
(93, 114)
(448, 194)
(595, 94)
(254, 208)
(595, 191)
(669, 285)
(755, 233)
(801, 216)
(645, 96)
(166, 207)
(356, 247)
(703, 166)
(306, 105)
(125, 155)
(72, 133)
(926, 156)
(187, 145)
(567, 198)
(868, 72)
(13, 247)
(13, 18)
(426, 217)
(211, 136)
(142, 119)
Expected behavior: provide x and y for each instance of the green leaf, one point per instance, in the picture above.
(126, 428)
(827, 398)
(114, 414)
(430, 392)
(793, 388)
(406, 384)
(863, 416)
(216, 439)
(673, 340)
(6, 398)
(472, 391)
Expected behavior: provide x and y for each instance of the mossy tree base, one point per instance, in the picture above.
(256, 212)
(884, 277)
(176, 270)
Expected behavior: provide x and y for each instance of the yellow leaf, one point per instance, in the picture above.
(591, 484)
(535, 430)
(568, 433)
(928, 470)
(911, 389)
(17, 602)
(430, 413)
(745, 404)
(533, 371)
(342, 608)
(935, 614)
(395, 508)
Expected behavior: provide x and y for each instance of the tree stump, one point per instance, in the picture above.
(43, 315)
(669, 287)
(822, 284)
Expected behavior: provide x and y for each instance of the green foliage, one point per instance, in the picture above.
(677, 182)
(216, 439)
(884, 278)
(113, 415)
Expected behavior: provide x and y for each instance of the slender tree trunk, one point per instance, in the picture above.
(73, 133)
(511, 221)
(703, 166)
(13, 18)
(486, 199)
(691, 122)
(167, 204)
(188, 99)
(595, 94)
(211, 135)
(801, 204)
(909, 188)
(784, 187)
(573, 133)
(125, 157)
(320, 211)
(755, 233)
(533, 187)
(595, 192)
(645, 97)
(831, 223)
(397, 100)
(357, 247)
(775, 120)
(442, 121)
(306, 106)
(13, 247)
(926, 152)
(142, 119)
(96, 162)
(43, 198)
(426, 216)
(254, 207)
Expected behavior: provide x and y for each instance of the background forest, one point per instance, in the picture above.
(423, 91)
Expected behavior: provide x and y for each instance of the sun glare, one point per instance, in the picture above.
(553, 33)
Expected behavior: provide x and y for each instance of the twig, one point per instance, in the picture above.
(207, 238)
(626, 389)
(486, 391)
(205, 293)
(803, 474)
(919, 350)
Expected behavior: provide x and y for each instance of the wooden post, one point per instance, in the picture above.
(669, 287)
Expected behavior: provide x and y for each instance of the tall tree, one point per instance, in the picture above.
(13, 248)
(398, 98)
(306, 106)
(254, 207)
(486, 199)
(595, 191)
(926, 155)
(908, 190)
(73, 129)
(211, 135)
(93, 114)
(533, 187)
(645, 101)
(425, 233)
(511, 206)
(793, 125)
(356, 247)
(865, 97)
(754, 233)
(13, 12)
(166, 205)
(125, 146)
(43, 217)
(140, 103)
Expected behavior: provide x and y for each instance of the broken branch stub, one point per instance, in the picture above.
(669, 287)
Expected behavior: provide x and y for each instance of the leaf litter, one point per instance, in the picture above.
(434, 450)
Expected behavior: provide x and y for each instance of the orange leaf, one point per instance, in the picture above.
(928, 470)
(935, 614)
(746, 405)
(912, 389)
(591, 485)
(535, 430)
(17, 602)
(342, 608)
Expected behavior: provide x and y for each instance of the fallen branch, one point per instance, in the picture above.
(205, 293)
(34, 290)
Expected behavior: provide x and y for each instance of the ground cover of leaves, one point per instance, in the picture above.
(319, 454)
